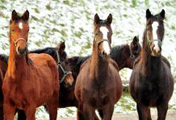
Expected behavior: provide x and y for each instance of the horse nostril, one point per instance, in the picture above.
(22, 51)
(67, 85)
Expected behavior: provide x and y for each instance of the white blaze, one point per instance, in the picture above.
(155, 27)
(155, 37)
(156, 47)
(20, 25)
(105, 44)
(106, 47)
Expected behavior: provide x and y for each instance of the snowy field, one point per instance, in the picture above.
(72, 21)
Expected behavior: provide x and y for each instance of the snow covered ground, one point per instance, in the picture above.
(72, 21)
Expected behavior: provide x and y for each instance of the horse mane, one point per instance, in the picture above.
(145, 51)
(51, 51)
(4, 58)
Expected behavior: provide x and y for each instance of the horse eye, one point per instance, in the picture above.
(13, 30)
(97, 33)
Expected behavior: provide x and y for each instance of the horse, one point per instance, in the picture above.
(151, 81)
(26, 85)
(3, 68)
(92, 88)
(60, 56)
(64, 73)
(125, 55)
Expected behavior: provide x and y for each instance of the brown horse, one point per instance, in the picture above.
(151, 82)
(66, 81)
(3, 68)
(30, 80)
(60, 56)
(92, 88)
(124, 55)
(65, 74)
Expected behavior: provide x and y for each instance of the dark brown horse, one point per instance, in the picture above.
(31, 80)
(124, 55)
(3, 69)
(98, 85)
(151, 82)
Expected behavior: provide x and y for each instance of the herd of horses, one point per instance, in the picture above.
(49, 77)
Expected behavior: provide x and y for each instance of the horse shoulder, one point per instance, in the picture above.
(85, 63)
(114, 64)
(46, 67)
(166, 61)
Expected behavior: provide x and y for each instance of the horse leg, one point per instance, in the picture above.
(1, 113)
(80, 115)
(21, 115)
(96, 117)
(89, 112)
(107, 111)
(30, 113)
(148, 114)
(162, 111)
(52, 105)
(143, 112)
(9, 111)
(100, 113)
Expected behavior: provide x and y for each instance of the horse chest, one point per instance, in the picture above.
(16, 96)
(97, 93)
(150, 91)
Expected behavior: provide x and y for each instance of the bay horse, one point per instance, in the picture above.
(60, 56)
(151, 82)
(125, 55)
(64, 69)
(3, 68)
(31, 80)
(92, 88)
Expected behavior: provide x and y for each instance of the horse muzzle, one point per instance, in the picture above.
(105, 49)
(156, 48)
(68, 81)
(21, 51)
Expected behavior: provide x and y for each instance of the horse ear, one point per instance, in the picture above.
(109, 18)
(162, 13)
(96, 19)
(14, 15)
(148, 14)
(25, 16)
(135, 39)
(61, 47)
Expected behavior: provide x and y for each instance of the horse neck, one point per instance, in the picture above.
(98, 64)
(16, 64)
(121, 54)
(150, 63)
